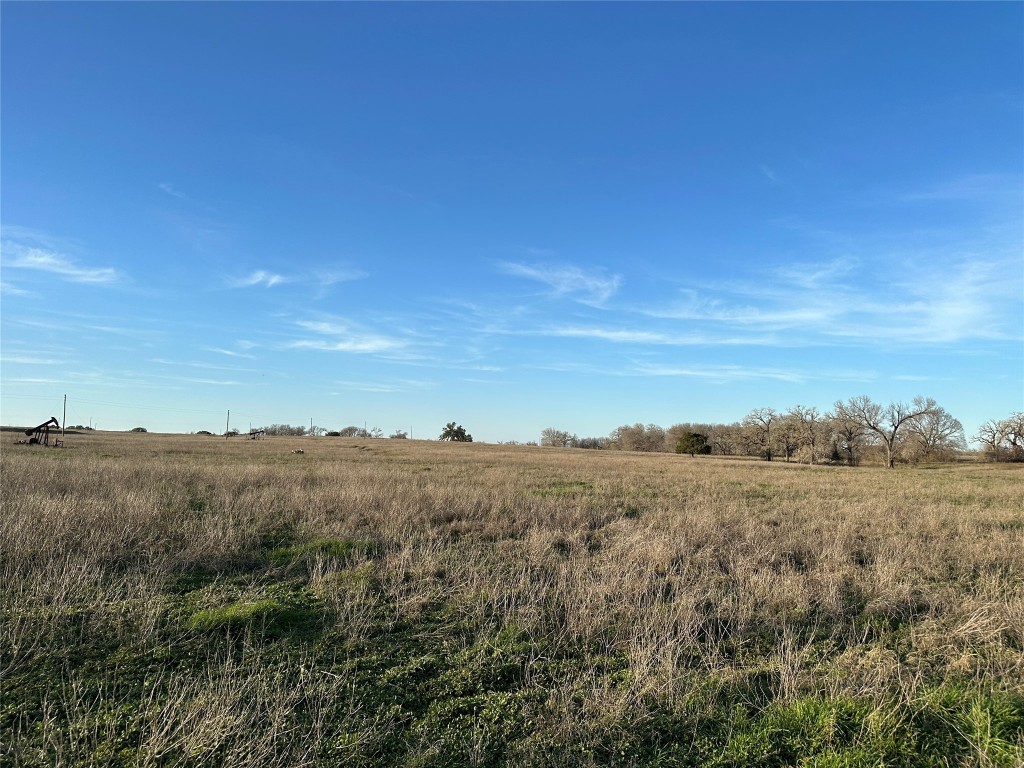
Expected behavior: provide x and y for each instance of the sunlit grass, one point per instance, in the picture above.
(200, 601)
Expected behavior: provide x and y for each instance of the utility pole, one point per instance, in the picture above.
(227, 426)
(64, 421)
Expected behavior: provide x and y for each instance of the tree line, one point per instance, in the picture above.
(850, 433)
(288, 430)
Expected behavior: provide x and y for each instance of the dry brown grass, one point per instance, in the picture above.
(776, 581)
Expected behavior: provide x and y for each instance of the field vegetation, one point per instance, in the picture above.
(195, 601)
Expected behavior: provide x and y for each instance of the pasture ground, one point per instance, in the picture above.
(195, 601)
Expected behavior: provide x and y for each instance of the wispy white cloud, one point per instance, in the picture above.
(170, 190)
(815, 275)
(735, 372)
(320, 278)
(735, 310)
(26, 360)
(212, 382)
(20, 256)
(229, 353)
(360, 345)
(720, 373)
(401, 385)
(78, 326)
(28, 235)
(338, 335)
(639, 336)
(185, 380)
(768, 173)
(618, 335)
(587, 287)
(173, 191)
(12, 290)
(936, 295)
(207, 366)
(259, 277)
(339, 275)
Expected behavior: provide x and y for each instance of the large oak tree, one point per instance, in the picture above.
(888, 424)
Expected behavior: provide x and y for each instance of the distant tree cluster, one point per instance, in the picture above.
(557, 438)
(1003, 440)
(353, 431)
(851, 432)
(285, 430)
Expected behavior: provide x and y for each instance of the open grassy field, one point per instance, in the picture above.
(190, 600)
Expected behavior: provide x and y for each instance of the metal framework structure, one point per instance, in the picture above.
(41, 435)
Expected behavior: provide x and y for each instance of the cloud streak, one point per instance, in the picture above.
(321, 278)
(593, 288)
(18, 256)
(12, 290)
(259, 277)
(403, 385)
(229, 353)
(170, 190)
(925, 297)
(648, 337)
(337, 335)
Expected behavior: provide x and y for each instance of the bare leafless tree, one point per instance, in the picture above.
(759, 424)
(888, 424)
(789, 435)
(847, 437)
(557, 438)
(936, 435)
(637, 437)
(809, 422)
(725, 439)
(1003, 439)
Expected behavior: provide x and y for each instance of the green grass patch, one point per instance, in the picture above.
(271, 616)
(327, 548)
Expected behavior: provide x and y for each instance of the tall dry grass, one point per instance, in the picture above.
(702, 575)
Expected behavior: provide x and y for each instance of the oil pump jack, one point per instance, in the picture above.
(41, 435)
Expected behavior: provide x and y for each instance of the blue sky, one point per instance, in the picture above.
(513, 216)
